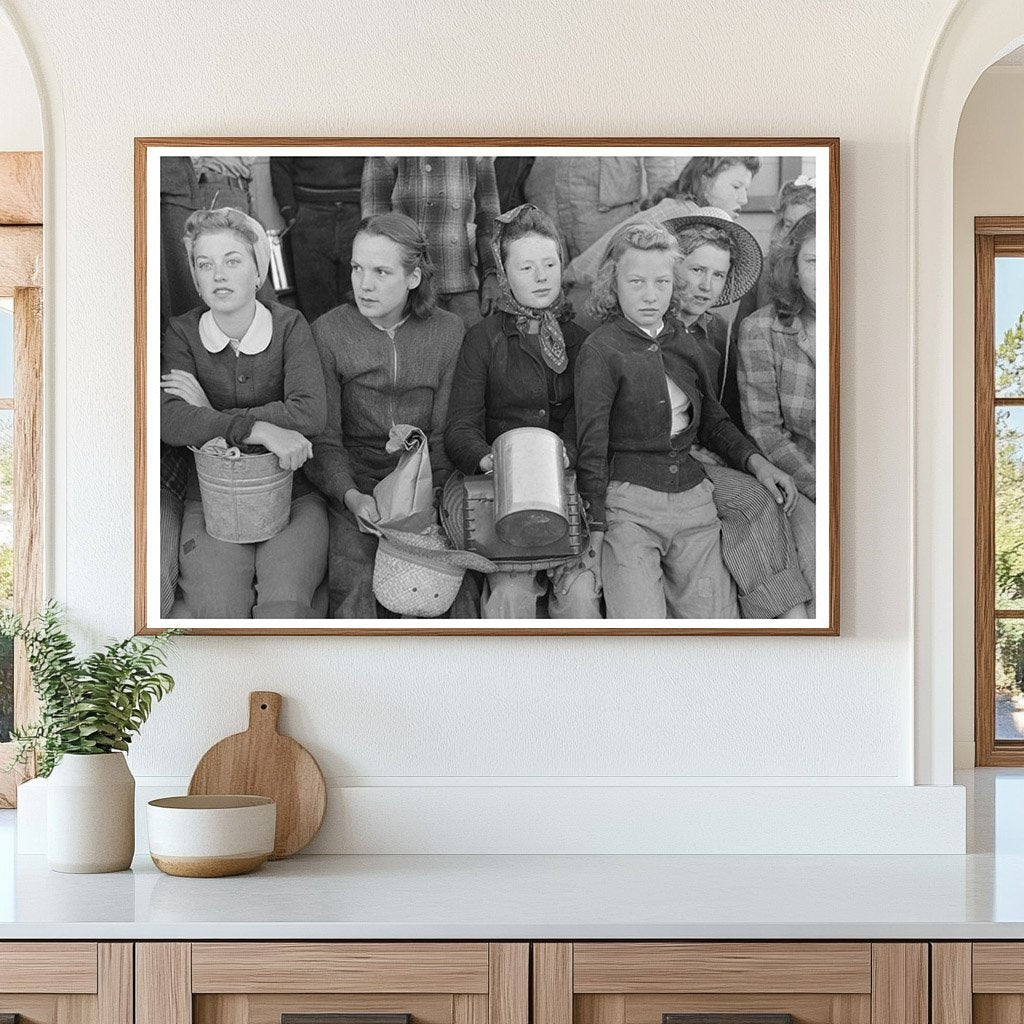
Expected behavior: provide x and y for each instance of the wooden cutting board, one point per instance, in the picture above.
(262, 762)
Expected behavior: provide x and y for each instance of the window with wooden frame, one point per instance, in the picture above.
(21, 365)
(999, 490)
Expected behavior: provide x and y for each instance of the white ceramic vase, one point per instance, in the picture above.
(90, 814)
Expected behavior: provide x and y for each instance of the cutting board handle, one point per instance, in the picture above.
(264, 710)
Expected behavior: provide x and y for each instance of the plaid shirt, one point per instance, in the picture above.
(777, 378)
(454, 200)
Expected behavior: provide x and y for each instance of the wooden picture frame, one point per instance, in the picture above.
(816, 158)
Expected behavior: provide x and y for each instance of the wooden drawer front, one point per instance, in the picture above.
(997, 982)
(998, 967)
(59, 967)
(710, 967)
(311, 967)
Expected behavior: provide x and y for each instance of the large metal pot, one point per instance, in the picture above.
(530, 508)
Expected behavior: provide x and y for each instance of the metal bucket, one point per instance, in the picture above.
(246, 498)
(530, 508)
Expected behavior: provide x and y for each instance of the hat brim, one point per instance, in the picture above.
(747, 262)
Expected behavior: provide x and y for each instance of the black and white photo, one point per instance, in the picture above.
(452, 386)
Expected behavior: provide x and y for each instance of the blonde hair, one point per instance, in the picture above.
(645, 237)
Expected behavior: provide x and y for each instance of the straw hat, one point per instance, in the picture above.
(747, 257)
(412, 583)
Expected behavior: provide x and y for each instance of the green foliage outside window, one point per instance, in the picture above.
(1009, 510)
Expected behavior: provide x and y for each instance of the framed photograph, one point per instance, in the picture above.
(487, 386)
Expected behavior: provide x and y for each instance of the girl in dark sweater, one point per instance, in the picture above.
(388, 359)
(238, 369)
(516, 370)
(641, 404)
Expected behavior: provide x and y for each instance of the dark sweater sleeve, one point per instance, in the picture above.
(569, 435)
(304, 407)
(465, 434)
(185, 424)
(570, 430)
(440, 462)
(596, 387)
(282, 179)
(718, 433)
(330, 468)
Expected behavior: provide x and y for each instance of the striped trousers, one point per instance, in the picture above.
(757, 545)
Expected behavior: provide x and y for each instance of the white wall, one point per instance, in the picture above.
(441, 713)
(21, 127)
(988, 181)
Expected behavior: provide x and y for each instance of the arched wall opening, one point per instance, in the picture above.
(976, 35)
(987, 183)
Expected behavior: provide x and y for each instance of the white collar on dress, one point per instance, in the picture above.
(255, 339)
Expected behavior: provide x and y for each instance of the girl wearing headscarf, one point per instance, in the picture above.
(249, 373)
(516, 370)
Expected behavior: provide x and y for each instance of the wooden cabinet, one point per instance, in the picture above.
(814, 982)
(260, 982)
(512, 982)
(66, 982)
(978, 983)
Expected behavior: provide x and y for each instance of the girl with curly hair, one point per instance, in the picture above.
(640, 407)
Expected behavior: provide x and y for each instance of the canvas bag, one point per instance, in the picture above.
(415, 571)
(409, 488)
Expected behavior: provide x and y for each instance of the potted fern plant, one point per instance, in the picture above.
(89, 710)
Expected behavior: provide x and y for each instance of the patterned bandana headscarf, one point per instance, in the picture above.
(552, 344)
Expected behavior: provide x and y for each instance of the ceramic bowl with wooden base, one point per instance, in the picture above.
(211, 836)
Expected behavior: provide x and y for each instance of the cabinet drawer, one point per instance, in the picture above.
(978, 983)
(64, 967)
(730, 983)
(332, 982)
(66, 982)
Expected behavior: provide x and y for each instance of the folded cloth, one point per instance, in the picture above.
(403, 437)
(218, 446)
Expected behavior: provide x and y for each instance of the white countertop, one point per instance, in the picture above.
(976, 896)
(516, 897)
